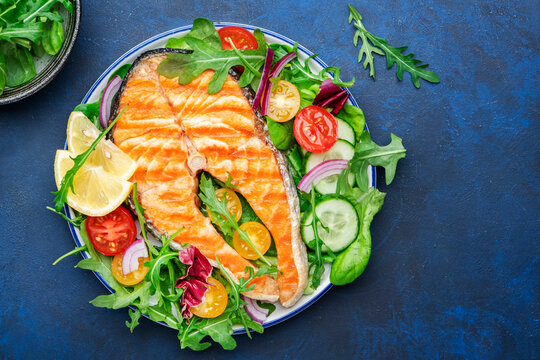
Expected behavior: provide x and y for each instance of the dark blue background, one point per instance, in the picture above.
(455, 266)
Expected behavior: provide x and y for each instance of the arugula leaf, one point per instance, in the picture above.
(351, 263)
(134, 316)
(140, 216)
(188, 66)
(301, 72)
(368, 153)
(203, 29)
(37, 8)
(32, 32)
(77, 221)
(208, 197)
(78, 161)
(219, 329)
(317, 266)
(394, 55)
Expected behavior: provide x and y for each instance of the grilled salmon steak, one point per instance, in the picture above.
(166, 125)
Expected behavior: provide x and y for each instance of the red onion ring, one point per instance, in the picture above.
(106, 100)
(264, 78)
(257, 313)
(319, 172)
(130, 260)
(275, 72)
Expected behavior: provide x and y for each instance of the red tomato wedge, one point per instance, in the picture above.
(241, 38)
(315, 129)
(111, 234)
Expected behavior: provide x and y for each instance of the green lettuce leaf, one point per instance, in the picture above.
(351, 263)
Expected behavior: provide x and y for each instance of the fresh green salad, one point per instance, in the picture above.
(29, 29)
(330, 155)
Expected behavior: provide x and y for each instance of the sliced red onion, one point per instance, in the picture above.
(130, 260)
(257, 313)
(274, 73)
(106, 100)
(281, 64)
(319, 172)
(264, 78)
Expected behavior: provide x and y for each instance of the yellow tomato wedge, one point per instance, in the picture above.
(259, 236)
(233, 202)
(284, 101)
(215, 301)
(131, 278)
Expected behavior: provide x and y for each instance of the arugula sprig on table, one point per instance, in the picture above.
(28, 29)
(372, 44)
(78, 161)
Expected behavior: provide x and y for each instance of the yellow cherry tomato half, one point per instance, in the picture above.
(284, 101)
(214, 303)
(233, 203)
(259, 236)
(133, 277)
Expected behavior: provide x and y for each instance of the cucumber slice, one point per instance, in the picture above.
(342, 149)
(345, 131)
(341, 219)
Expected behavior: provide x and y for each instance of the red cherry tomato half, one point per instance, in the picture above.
(241, 38)
(111, 234)
(315, 129)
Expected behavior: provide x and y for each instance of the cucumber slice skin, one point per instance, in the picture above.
(342, 149)
(346, 132)
(336, 244)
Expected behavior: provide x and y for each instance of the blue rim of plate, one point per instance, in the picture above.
(153, 39)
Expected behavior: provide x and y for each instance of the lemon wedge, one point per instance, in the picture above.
(95, 191)
(101, 184)
(81, 133)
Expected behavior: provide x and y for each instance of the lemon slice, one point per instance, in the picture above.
(81, 133)
(95, 191)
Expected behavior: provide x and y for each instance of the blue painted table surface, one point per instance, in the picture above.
(455, 266)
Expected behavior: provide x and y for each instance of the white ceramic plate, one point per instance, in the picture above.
(159, 41)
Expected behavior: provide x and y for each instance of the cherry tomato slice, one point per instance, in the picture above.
(259, 236)
(315, 129)
(241, 38)
(111, 234)
(284, 101)
(214, 303)
(133, 277)
(233, 203)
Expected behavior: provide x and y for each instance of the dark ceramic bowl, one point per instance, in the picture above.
(55, 64)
